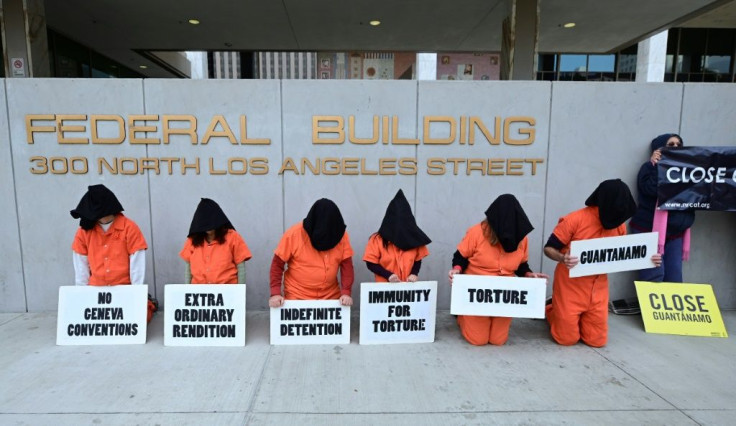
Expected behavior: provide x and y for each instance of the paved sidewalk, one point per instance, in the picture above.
(638, 378)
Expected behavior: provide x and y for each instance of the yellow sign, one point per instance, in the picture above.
(674, 308)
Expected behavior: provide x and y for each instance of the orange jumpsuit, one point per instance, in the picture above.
(311, 274)
(487, 259)
(108, 253)
(215, 263)
(392, 258)
(579, 308)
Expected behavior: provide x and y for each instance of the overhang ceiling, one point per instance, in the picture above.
(118, 28)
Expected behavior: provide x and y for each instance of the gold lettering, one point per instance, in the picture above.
(477, 122)
(362, 141)
(134, 129)
(428, 120)
(530, 131)
(121, 165)
(169, 162)
(463, 130)
(225, 132)
(168, 130)
(152, 166)
(31, 129)
(455, 164)
(534, 162)
(350, 166)
(185, 166)
(407, 166)
(339, 129)
(244, 135)
(41, 164)
(258, 165)
(364, 171)
(214, 171)
(111, 168)
(395, 134)
(307, 164)
(386, 166)
(477, 164)
(495, 164)
(330, 166)
(243, 169)
(289, 165)
(435, 166)
(66, 128)
(384, 129)
(95, 135)
(513, 164)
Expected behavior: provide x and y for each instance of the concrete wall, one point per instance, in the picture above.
(584, 133)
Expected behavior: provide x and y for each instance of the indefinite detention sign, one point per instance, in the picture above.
(398, 313)
(310, 322)
(110, 315)
(204, 315)
(491, 296)
(613, 254)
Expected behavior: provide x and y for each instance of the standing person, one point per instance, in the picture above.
(394, 253)
(314, 250)
(214, 252)
(579, 308)
(673, 226)
(497, 246)
(108, 248)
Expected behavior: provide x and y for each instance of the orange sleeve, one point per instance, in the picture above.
(80, 244)
(285, 249)
(565, 229)
(468, 244)
(186, 251)
(347, 249)
(622, 229)
(134, 238)
(373, 249)
(422, 252)
(240, 250)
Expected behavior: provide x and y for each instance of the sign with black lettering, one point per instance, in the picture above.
(491, 296)
(397, 313)
(204, 315)
(613, 254)
(310, 322)
(679, 308)
(97, 315)
(699, 177)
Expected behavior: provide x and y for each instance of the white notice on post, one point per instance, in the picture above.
(397, 313)
(310, 322)
(491, 296)
(102, 315)
(613, 254)
(204, 315)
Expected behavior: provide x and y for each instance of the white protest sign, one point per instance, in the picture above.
(310, 322)
(102, 315)
(397, 313)
(491, 296)
(204, 315)
(613, 254)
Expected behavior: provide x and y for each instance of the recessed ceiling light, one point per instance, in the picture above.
(569, 25)
(375, 23)
(194, 21)
(142, 67)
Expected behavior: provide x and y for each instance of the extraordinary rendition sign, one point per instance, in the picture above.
(310, 322)
(702, 178)
(398, 313)
(486, 295)
(109, 315)
(613, 254)
(679, 308)
(204, 315)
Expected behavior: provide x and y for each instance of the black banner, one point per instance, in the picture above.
(697, 178)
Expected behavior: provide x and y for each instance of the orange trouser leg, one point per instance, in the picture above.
(483, 330)
(594, 326)
(563, 325)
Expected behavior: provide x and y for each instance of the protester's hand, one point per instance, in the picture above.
(346, 300)
(656, 156)
(276, 301)
(569, 261)
(393, 278)
(412, 278)
(537, 275)
(451, 274)
(657, 260)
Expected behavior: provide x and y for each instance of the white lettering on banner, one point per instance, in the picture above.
(698, 174)
(84, 317)
(204, 315)
(310, 322)
(398, 313)
(613, 254)
(486, 295)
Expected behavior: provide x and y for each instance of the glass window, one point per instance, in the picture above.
(601, 63)
(570, 63)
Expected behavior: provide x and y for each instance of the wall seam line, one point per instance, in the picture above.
(283, 176)
(15, 197)
(546, 172)
(150, 201)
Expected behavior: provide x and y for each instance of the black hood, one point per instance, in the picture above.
(324, 225)
(615, 203)
(208, 216)
(400, 227)
(508, 221)
(97, 203)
